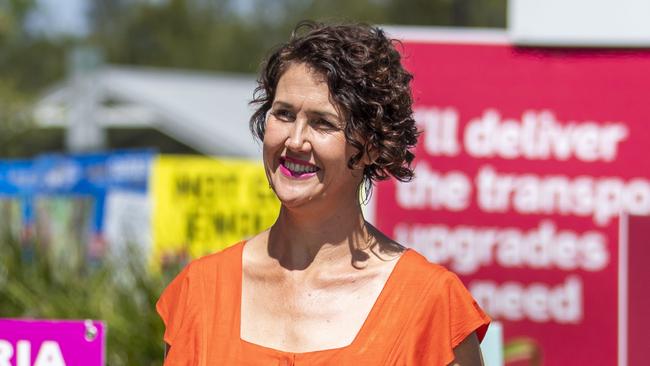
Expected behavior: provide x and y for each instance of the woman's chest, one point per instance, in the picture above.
(297, 317)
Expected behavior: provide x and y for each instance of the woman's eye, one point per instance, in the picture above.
(282, 115)
(325, 125)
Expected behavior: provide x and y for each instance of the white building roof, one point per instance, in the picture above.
(207, 111)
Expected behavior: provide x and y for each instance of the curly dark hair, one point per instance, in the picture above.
(366, 81)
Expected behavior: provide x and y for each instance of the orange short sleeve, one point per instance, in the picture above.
(465, 316)
(172, 305)
(445, 315)
(180, 308)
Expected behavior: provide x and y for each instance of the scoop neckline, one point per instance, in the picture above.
(361, 333)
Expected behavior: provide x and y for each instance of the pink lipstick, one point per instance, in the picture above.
(296, 168)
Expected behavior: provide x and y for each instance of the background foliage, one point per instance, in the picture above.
(219, 35)
(122, 294)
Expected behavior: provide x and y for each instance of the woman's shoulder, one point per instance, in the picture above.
(227, 257)
(415, 265)
(198, 279)
(420, 269)
(207, 270)
(431, 283)
(438, 298)
(441, 309)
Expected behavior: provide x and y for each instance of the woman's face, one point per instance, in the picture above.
(305, 151)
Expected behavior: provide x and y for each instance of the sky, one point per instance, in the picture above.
(59, 17)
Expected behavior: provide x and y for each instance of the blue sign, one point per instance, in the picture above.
(92, 175)
(17, 177)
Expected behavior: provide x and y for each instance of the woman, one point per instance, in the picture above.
(322, 286)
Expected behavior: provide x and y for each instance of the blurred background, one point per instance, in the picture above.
(125, 152)
(80, 77)
(45, 43)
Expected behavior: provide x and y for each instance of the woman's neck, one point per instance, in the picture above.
(301, 240)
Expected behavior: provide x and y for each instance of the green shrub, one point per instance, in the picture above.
(121, 293)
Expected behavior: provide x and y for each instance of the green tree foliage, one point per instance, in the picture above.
(221, 35)
(15, 119)
(224, 35)
(12, 15)
(177, 33)
(28, 63)
(123, 295)
(453, 13)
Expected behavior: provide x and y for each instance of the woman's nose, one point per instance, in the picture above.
(298, 139)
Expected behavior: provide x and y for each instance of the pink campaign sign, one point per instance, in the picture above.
(51, 342)
(526, 159)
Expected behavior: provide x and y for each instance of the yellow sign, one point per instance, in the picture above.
(202, 204)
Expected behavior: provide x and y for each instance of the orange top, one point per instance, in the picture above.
(421, 314)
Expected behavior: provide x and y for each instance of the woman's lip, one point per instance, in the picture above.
(296, 161)
(287, 173)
